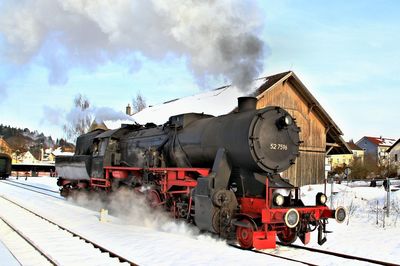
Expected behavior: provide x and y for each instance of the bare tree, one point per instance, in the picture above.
(138, 103)
(79, 118)
(396, 209)
(351, 210)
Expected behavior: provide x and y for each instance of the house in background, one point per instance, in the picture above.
(27, 158)
(376, 148)
(394, 155)
(340, 160)
(5, 146)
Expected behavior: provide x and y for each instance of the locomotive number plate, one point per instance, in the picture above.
(278, 146)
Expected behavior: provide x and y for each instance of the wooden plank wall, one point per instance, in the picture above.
(309, 166)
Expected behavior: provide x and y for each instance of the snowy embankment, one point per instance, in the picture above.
(367, 232)
(152, 238)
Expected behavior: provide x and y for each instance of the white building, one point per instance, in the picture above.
(394, 155)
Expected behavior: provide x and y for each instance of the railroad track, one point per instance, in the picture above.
(341, 255)
(350, 258)
(52, 240)
(28, 185)
(272, 255)
(33, 188)
(23, 249)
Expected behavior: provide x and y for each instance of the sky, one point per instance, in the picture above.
(345, 52)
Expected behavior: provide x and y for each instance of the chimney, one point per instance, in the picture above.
(128, 109)
(247, 104)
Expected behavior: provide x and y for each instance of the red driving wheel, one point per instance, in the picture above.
(244, 234)
(153, 198)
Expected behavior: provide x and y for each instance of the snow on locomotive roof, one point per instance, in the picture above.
(215, 102)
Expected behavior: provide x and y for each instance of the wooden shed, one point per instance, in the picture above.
(319, 133)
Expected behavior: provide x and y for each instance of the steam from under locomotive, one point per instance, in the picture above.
(133, 209)
(217, 39)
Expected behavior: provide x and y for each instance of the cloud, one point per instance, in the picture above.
(218, 38)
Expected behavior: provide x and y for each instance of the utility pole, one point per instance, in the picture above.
(332, 181)
(388, 197)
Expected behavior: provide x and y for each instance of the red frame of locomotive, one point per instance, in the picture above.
(272, 218)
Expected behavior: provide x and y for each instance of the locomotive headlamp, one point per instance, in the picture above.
(292, 218)
(279, 199)
(284, 121)
(321, 198)
(340, 214)
(288, 120)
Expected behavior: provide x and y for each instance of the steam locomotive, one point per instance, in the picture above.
(219, 173)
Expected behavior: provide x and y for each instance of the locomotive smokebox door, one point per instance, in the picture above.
(274, 140)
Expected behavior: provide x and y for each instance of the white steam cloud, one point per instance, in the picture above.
(132, 208)
(105, 113)
(218, 39)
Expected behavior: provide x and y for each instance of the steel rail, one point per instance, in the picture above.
(101, 248)
(30, 242)
(15, 185)
(346, 256)
(28, 185)
(272, 255)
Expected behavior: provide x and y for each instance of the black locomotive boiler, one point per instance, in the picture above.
(220, 173)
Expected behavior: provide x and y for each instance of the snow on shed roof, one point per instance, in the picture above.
(110, 124)
(114, 124)
(215, 102)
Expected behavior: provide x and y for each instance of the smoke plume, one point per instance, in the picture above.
(218, 39)
(98, 114)
(77, 121)
(105, 113)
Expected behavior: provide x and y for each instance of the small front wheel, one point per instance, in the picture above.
(288, 235)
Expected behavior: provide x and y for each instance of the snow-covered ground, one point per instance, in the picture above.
(154, 239)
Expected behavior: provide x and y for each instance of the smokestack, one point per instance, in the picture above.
(128, 109)
(247, 104)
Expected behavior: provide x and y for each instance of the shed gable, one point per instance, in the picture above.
(309, 165)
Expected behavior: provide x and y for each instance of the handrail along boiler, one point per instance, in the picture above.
(220, 173)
